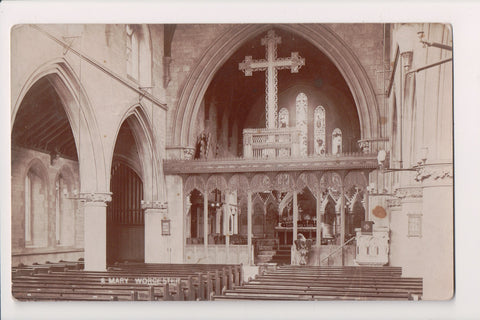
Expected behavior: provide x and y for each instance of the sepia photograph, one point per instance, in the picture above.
(253, 162)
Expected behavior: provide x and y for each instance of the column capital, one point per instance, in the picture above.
(96, 197)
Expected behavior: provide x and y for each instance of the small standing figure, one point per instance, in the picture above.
(303, 247)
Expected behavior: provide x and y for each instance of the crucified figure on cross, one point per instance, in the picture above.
(270, 66)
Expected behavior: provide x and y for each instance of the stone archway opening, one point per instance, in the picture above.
(195, 94)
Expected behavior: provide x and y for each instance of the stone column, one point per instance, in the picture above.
(249, 226)
(188, 221)
(226, 229)
(319, 218)
(342, 216)
(295, 216)
(205, 221)
(218, 215)
(95, 210)
(342, 225)
(155, 212)
(437, 243)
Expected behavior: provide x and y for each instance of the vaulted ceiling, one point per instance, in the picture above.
(42, 124)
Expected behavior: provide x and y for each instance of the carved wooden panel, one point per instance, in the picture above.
(260, 183)
(239, 183)
(194, 182)
(308, 180)
(283, 182)
(216, 182)
(355, 179)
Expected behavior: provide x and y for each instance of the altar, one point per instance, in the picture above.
(285, 234)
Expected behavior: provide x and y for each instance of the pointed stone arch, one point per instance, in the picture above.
(319, 35)
(80, 116)
(150, 160)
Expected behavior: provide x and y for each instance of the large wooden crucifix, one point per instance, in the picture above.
(270, 66)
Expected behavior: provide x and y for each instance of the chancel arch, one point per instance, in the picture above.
(320, 36)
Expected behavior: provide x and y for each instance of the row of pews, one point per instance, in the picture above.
(328, 283)
(66, 280)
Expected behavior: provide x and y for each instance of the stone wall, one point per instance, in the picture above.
(366, 41)
(38, 252)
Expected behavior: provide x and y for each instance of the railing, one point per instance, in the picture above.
(271, 143)
(336, 250)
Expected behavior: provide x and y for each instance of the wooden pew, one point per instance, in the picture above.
(327, 283)
(53, 282)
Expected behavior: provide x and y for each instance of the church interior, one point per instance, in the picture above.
(272, 147)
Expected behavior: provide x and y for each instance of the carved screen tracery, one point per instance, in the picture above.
(194, 182)
(301, 121)
(239, 183)
(216, 182)
(310, 181)
(319, 131)
(260, 183)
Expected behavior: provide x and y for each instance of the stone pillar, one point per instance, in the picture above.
(438, 245)
(226, 229)
(218, 215)
(342, 217)
(205, 221)
(249, 226)
(95, 210)
(188, 218)
(155, 212)
(319, 218)
(295, 216)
